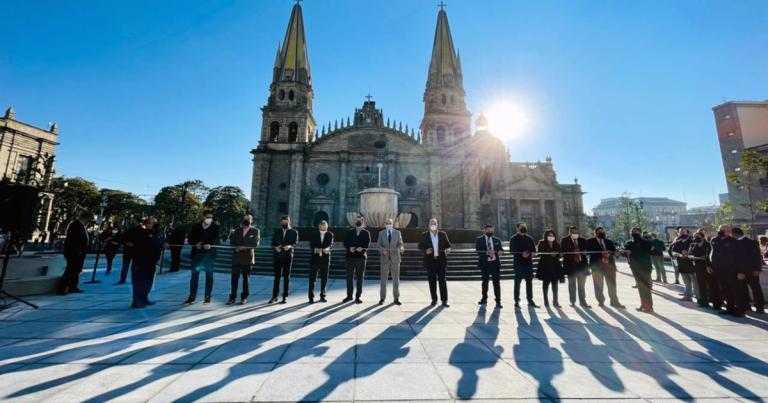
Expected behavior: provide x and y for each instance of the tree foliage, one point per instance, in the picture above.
(72, 196)
(629, 214)
(753, 166)
(229, 203)
(120, 205)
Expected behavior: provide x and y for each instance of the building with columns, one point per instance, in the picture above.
(444, 170)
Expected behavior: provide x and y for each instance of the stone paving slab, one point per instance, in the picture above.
(93, 347)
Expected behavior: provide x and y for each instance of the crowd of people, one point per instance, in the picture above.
(719, 271)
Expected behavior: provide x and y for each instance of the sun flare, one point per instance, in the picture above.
(507, 120)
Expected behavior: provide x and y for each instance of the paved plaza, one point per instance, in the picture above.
(93, 347)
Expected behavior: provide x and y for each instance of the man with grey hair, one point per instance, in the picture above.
(320, 244)
(391, 248)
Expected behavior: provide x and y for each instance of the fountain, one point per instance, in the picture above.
(377, 205)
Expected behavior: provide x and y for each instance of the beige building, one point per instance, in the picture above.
(26, 153)
(743, 125)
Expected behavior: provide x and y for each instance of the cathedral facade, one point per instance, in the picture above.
(442, 170)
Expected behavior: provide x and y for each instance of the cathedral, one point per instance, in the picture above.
(442, 170)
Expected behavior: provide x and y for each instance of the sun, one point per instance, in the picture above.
(507, 120)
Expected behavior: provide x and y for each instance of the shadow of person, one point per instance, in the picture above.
(166, 347)
(470, 356)
(712, 369)
(534, 355)
(631, 355)
(384, 347)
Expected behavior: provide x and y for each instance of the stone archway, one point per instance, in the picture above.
(320, 216)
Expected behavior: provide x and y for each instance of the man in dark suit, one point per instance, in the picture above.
(245, 240)
(284, 241)
(147, 248)
(75, 249)
(436, 247)
(575, 265)
(127, 240)
(722, 260)
(320, 244)
(356, 243)
(203, 237)
(747, 274)
(489, 250)
(176, 239)
(523, 246)
(603, 266)
(638, 252)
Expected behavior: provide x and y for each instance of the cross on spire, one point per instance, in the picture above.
(298, 2)
(441, 4)
(369, 97)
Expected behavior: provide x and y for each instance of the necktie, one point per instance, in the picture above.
(576, 249)
(389, 236)
(602, 244)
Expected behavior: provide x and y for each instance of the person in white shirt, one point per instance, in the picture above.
(436, 248)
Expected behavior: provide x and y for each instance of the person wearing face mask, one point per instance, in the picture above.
(603, 266)
(699, 255)
(638, 251)
(321, 245)
(244, 239)
(177, 238)
(203, 237)
(111, 242)
(680, 249)
(436, 248)
(748, 265)
(575, 265)
(549, 270)
(284, 241)
(489, 250)
(657, 258)
(126, 239)
(390, 243)
(721, 260)
(357, 243)
(523, 246)
(148, 245)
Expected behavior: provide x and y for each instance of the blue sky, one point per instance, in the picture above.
(619, 93)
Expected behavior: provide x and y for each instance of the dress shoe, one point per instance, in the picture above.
(556, 305)
(433, 303)
(322, 299)
(482, 302)
(517, 305)
(189, 301)
(231, 302)
(358, 301)
(149, 303)
(619, 306)
(381, 302)
(397, 302)
(273, 300)
(572, 304)
(498, 305)
(311, 301)
(346, 299)
(445, 304)
(586, 306)
(119, 282)
(284, 300)
(207, 300)
(76, 291)
(137, 306)
(600, 304)
(532, 304)
(243, 301)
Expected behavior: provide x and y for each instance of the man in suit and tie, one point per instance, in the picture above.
(244, 239)
(320, 261)
(284, 241)
(603, 266)
(748, 264)
(356, 243)
(75, 249)
(203, 237)
(489, 250)
(391, 248)
(436, 248)
(523, 246)
(575, 265)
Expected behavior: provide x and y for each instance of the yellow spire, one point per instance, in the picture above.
(445, 61)
(292, 62)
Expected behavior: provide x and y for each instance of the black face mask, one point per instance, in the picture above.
(683, 236)
(246, 223)
(489, 233)
(601, 235)
(721, 234)
(359, 224)
(523, 230)
(636, 236)
(285, 226)
(698, 239)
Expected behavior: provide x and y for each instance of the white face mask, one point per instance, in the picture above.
(208, 221)
(433, 227)
(574, 236)
(551, 238)
(323, 232)
(114, 231)
(389, 227)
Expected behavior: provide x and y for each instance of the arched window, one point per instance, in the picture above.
(281, 95)
(440, 134)
(290, 95)
(274, 131)
(293, 132)
(414, 223)
(444, 99)
(452, 100)
(320, 216)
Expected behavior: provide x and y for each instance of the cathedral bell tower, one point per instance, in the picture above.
(287, 117)
(446, 118)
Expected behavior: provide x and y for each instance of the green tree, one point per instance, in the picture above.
(72, 196)
(229, 203)
(723, 216)
(121, 205)
(753, 166)
(629, 214)
(168, 205)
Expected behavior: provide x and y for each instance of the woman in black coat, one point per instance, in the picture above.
(549, 271)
